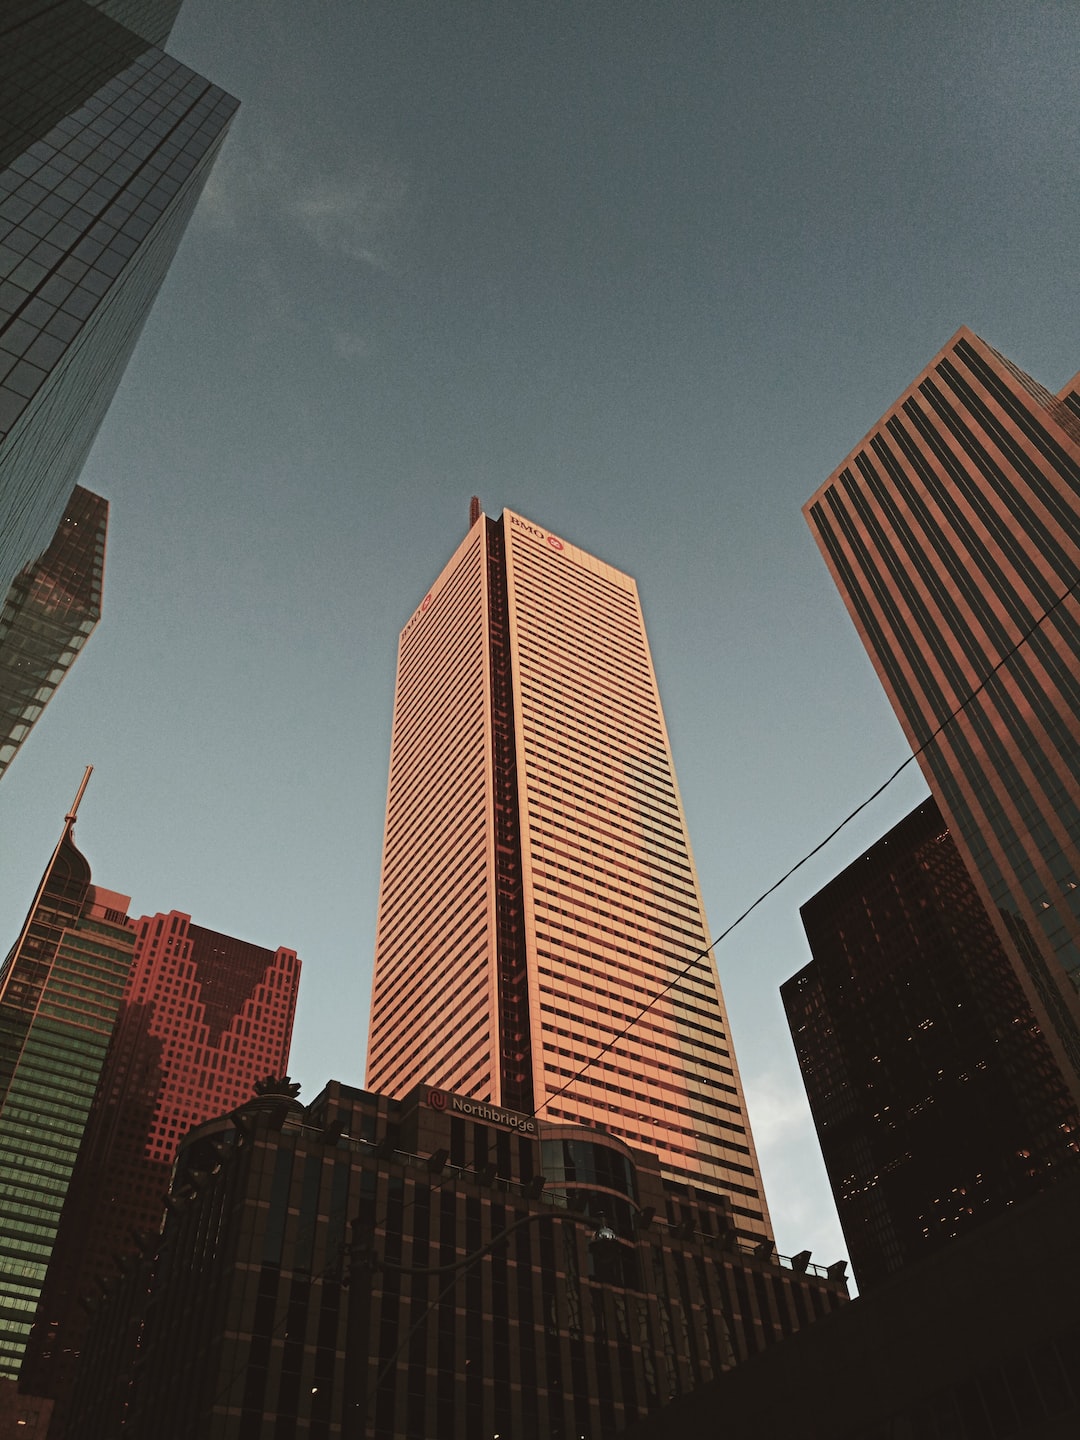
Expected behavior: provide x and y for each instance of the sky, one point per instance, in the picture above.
(645, 273)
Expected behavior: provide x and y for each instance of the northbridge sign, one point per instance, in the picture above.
(478, 1110)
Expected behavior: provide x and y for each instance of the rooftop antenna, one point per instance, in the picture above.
(7, 968)
(474, 510)
(69, 818)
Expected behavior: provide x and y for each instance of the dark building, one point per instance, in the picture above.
(937, 1101)
(48, 614)
(105, 142)
(953, 534)
(204, 1016)
(432, 1267)
(26, 1416)
(60, 991)
(977, 1342)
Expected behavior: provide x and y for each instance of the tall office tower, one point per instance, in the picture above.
(60, 990)
(936, 1099)
(538, 889)
(953, 534)
(105, 143)
(204, 1016)
(48, 614)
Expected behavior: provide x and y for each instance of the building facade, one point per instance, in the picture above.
(204, 1017)
(48, 614)
(953, 534)
(979, 1340)
(937, 1100)
(105, 142)
(538, 891)
(60, 992)
(433, 1267)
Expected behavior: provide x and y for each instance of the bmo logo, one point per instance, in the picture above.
(425, 606)
(436, 1099)
(552, 541)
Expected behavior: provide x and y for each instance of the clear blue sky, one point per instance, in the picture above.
(643, 272)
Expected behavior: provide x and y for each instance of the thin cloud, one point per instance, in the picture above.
(355, 215)
(778, 1107)
(355, 209)
(218, 207)
(352, 346)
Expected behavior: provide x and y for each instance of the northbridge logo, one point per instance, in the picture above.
(440, 1100)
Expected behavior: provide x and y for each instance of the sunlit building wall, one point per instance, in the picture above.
(60, 990)
(538, 888)
(953, 534)
(204, 1017)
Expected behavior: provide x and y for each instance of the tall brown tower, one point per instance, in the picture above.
(538, 887)
(953, 534)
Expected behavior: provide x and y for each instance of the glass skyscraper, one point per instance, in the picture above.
(105, 142)
(538, 889)
(953, 534)
(60, 991)
(48, 614)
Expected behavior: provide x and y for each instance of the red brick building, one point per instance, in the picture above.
(204, 1017)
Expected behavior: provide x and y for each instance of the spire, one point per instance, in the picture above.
(474, 510)
(69, 818)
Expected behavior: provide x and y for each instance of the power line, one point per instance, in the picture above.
(464, 1262)
(701, 954)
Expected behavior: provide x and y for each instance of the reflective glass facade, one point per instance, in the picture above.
(538, 887)
(953, 534)
(48, 615)
(937, 1101)
(60, 990)
(204, 1017)
(105, 143)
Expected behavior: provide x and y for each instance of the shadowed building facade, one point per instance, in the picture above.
(935, 1095)
(538, 888)
(60, 991)
(431, 1268)
(953, 534)
(105, 143)
(204, 1017)
(48, 614)
(978, 1340)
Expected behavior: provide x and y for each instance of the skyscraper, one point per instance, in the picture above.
(204, 1017)
(538, 889)
(953, 534)
(936, 1099)
(60, 990)
(105, 143)
(48, 614)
